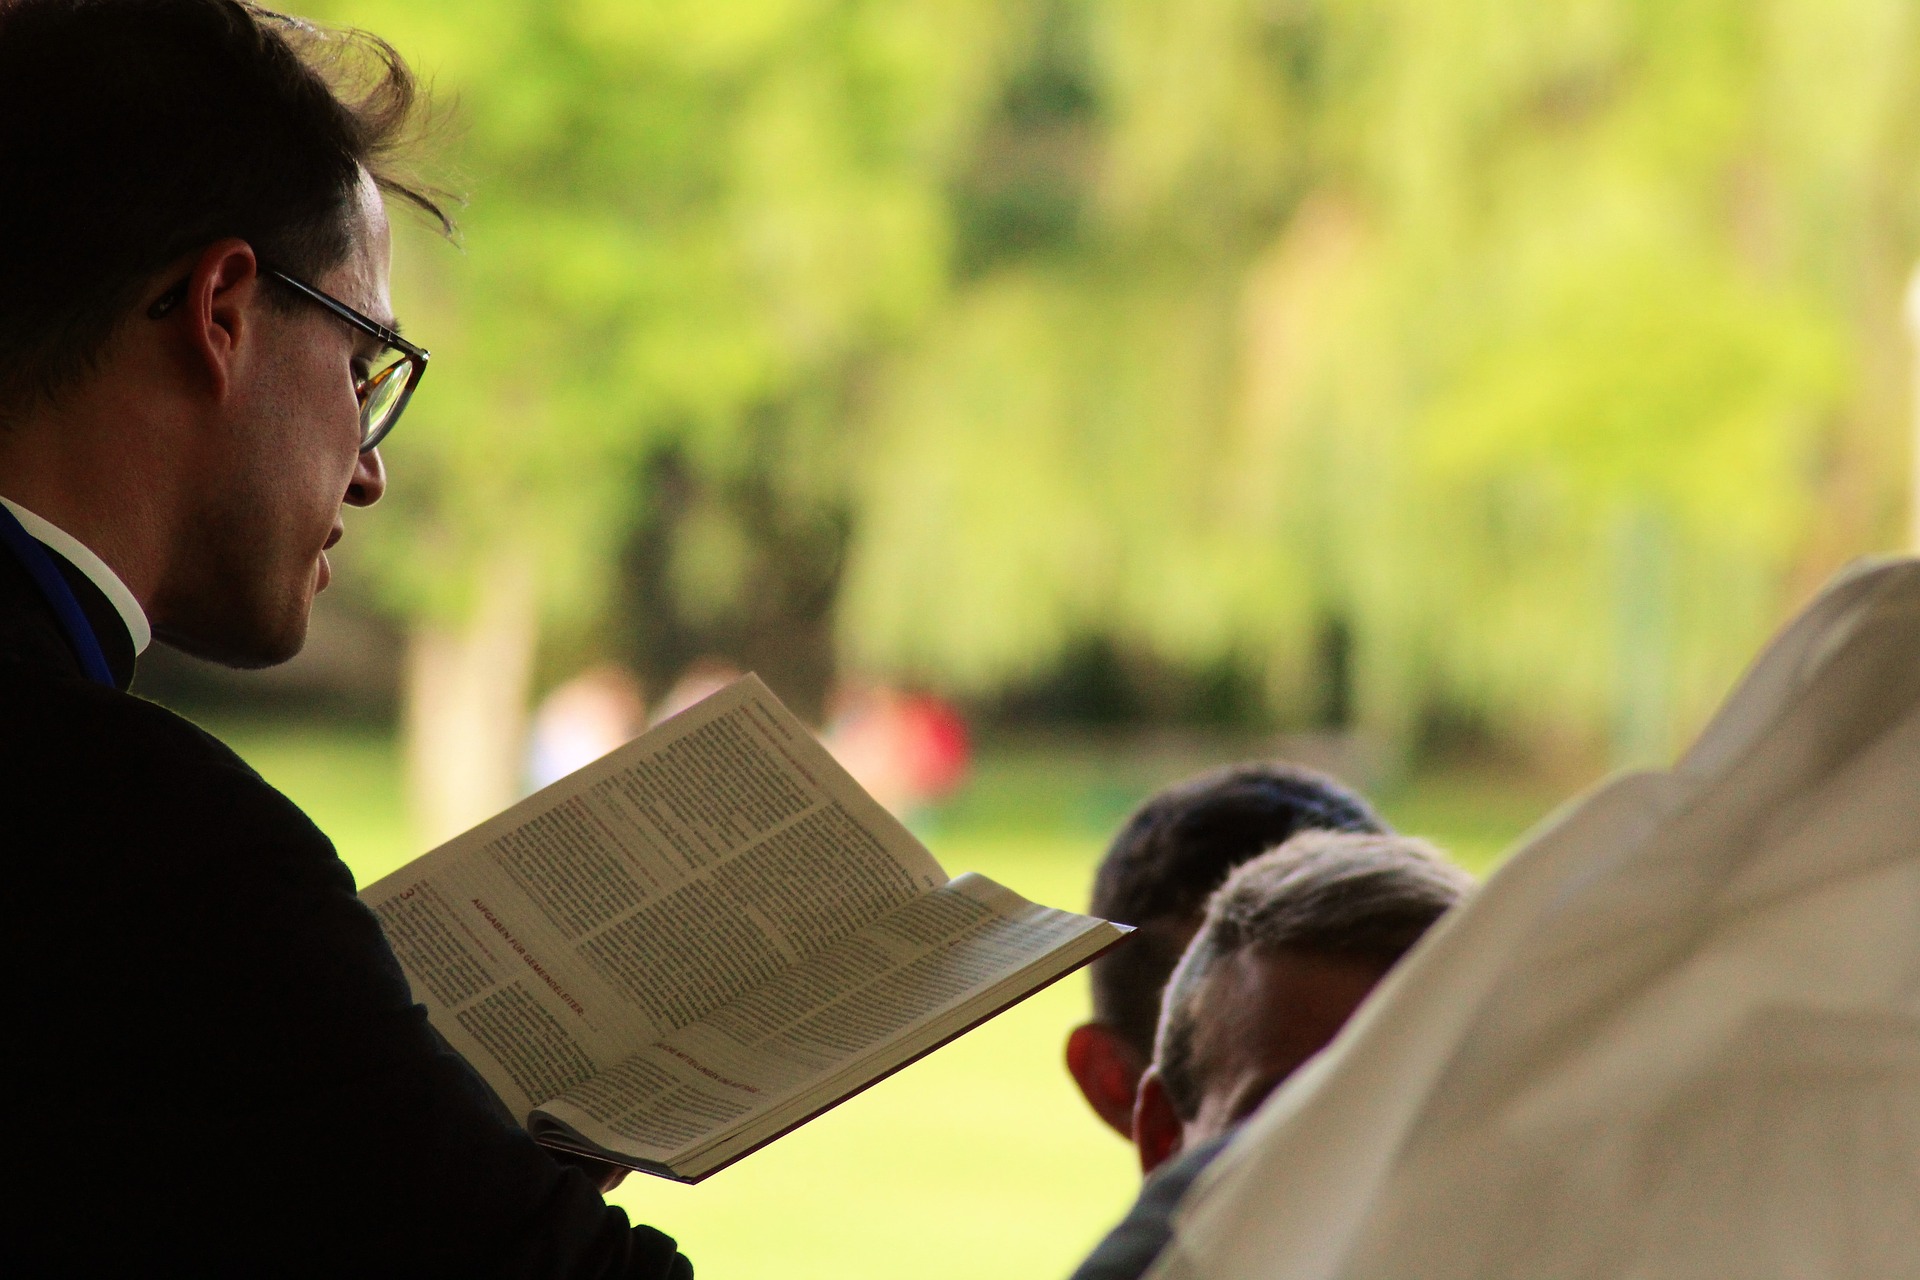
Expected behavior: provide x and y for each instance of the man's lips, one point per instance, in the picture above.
(324, 573)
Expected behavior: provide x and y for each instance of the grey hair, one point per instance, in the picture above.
(1351, 896)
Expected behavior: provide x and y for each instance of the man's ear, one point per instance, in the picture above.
(218, 308)
(1157, 1130)
(1107, 1069)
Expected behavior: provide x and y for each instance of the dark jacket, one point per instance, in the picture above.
(212, 1064)
(1136, 1242)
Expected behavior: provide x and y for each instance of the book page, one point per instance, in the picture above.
(641, 893)
(828, 1025)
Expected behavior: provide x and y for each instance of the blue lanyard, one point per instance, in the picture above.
(34, 558)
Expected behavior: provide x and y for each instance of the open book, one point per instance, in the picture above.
(705, 939)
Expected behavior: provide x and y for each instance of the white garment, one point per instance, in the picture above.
(80, 557)
(1676, 1036)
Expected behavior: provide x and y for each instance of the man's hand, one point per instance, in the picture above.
(599, 1172)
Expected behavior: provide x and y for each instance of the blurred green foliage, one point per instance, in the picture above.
(689, 226)
(1545, 351)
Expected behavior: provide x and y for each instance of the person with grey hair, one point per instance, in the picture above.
(1288, 949)
(1164, 863)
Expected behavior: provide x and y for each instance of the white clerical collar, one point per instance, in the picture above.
(76, 554)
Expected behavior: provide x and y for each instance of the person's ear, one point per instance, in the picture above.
(1157, 1129)
(218, 311)
(1107, 1069)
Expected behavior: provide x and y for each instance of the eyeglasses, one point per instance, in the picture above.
(383, 394)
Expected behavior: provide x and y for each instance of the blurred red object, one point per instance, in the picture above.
(907, 749)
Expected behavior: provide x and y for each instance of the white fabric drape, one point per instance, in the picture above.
(1677, 1035)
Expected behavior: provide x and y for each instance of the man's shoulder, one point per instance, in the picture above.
(94, 761)
(58, 716)
(1133, 1246)
(27, 687)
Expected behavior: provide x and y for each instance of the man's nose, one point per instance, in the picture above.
(369, 480)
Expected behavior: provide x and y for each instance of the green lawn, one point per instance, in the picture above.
(981, 1160)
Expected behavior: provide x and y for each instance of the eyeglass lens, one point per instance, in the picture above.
(381, 396)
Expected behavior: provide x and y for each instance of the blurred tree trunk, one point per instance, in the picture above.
(1913, 409)
(766, 607)
(466, 703)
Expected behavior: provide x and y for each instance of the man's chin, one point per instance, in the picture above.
(242, 649)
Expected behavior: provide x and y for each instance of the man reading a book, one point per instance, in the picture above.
(197, 361)
(1288, 949)
(1169, 856)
